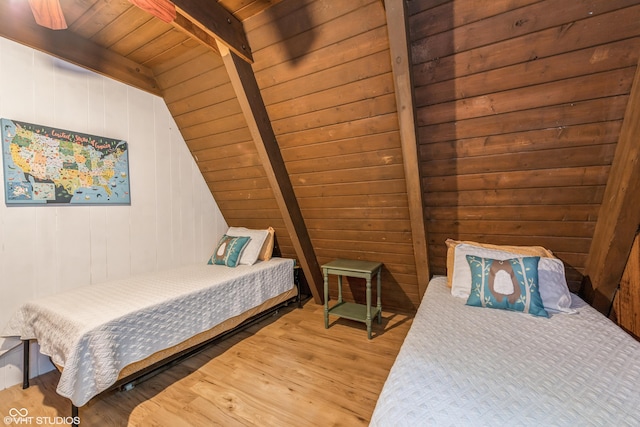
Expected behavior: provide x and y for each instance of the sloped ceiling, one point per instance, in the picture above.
(517, 116)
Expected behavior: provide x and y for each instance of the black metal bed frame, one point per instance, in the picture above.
(129, 381)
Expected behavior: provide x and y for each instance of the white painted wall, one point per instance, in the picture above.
(173, 219)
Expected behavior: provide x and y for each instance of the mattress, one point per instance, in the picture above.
(93, 332)
(474, 366)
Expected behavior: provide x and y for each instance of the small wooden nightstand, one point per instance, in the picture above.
(348, 310)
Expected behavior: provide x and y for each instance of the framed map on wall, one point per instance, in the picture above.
(44, 165)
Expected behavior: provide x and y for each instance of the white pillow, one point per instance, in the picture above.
(252, 250)
(551, 279)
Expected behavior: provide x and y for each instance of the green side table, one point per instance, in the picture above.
(348, 310)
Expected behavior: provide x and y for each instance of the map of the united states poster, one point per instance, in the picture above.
(50, 165)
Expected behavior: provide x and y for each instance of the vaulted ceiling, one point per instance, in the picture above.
(375, 130)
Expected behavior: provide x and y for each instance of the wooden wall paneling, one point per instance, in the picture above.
(197, 92)
(619, 214)
(250, 99)
(608, 83)
(548, 178)
(363, 76)
(519, 197)
(525, 20)
(376, 149)
(164, 58)
(590, 60)
(297, 31)
(626, 307)
(198, 69)
(506, 228)
(329, 90)
(218, 132)
(168, 43)
(358, 110)
(587, 212)
(347, 190)
(89, 22)
(590, 111)
(149, 31)
(123, 24)
(432, 17)
(202, 99)
(579, 135)
(344, 175)
(384, 141)
(580, 31)
(220, 110)
(202, 85)
(214, 127)
(233, 174)
(347, 93)
(243, 9)
(527, 162)
(342, 134)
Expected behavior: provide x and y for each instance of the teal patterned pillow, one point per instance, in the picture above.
(511, 284)
(229, 250)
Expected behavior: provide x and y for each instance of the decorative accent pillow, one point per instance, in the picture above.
(251, 252)
(267, 248)
(510, 284)
(229, 250)
(519, 250)
(551, 279)
(553, 285)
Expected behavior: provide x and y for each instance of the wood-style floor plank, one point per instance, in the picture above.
(287, 370)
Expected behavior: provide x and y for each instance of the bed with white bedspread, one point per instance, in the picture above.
(472, 366)
(94, 332)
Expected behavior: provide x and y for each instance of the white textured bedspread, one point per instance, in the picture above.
(95, 331)
(472, 366)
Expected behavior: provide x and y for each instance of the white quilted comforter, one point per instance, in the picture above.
(95, 331)
(472, 366)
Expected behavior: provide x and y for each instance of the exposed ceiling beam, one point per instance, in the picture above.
(619, 214)
(401, 67)
(76, 50)
(210, 17)
(194, 31)
(255, 113)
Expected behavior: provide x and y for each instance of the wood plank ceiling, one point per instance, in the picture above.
(518, 111)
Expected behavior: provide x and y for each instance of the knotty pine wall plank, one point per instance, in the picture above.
(519, 111)
(329, 91)
(580, 135)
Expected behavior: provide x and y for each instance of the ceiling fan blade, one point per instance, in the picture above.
(48, 13)
(162, 9)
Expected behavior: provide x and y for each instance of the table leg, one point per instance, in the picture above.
(340, 289)
(368, 320)
(326, 299)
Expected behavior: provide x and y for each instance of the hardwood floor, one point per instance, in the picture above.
(284, 371)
